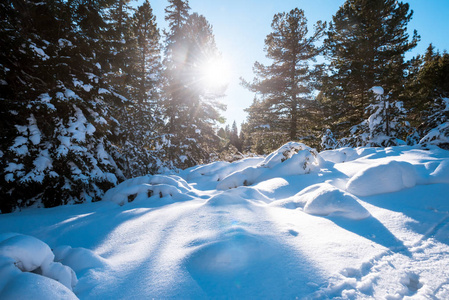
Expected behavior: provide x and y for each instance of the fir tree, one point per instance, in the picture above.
(366, 44)
(385, 126)
(427, 83)
(191, 109)
(142, 119)
(56, 146)
(234, 138)
(285, 87)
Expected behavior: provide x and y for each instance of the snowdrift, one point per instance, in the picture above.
(323, 199)
(290, 159)
(20, 255)
(351, 223)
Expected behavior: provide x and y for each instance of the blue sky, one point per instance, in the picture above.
(240, 27)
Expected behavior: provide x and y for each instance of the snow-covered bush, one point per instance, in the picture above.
(292, 158)
(328, 141)
(149, 186)
(384, 127)
(30, 262)
(439, 117)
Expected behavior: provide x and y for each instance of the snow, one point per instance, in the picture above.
(323, 199)
(395, 176)
(350, 223)
(39, 52)
(378, 90)
(290, 159)
(20, 254)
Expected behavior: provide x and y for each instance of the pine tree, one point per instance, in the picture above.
(142, 119)
(234, 138)
(438, 115)
(428, 81)
(56, 147)
(428, 89)
(192, 110)
(285, 87)
(366, 44)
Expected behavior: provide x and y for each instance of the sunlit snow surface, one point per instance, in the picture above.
(348, 223)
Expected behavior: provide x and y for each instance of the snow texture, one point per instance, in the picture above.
(385, 178)
(20, 254)
(350, 223)
(291, 159)
(324, 199)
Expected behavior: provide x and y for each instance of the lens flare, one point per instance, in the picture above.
(216, 73)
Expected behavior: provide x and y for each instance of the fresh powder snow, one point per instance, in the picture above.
(351, 223)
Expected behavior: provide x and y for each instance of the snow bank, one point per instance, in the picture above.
(20, 254)
(383, 178)
(79, 259)
(145, 187)
(324, 199)
(291, 159)
(216, 171)
(346, 154)
(263, 241)
(441, 173)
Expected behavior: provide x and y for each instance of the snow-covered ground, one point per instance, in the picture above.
(348, 223)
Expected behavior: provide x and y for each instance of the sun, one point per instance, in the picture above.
(215, 73)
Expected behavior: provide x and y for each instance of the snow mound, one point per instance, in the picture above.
(324, 199)
(145, 187)
(291, 159)
(383, 178)
(79, 259)
(346, 154)
(216, 171)
(33, 286)
(441, 173)
(20, 254)
(225, 199)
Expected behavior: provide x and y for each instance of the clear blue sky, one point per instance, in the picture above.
(240, 27)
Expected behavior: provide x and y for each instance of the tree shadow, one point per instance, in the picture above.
(248, 266)
(373, 230)
(425, 205)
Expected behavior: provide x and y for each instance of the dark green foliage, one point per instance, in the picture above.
(428, 81)
(56, 110)
(366, 43)
(284, 109)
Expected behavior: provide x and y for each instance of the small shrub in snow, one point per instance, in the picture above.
(290, 159)
(144, 187)
(439, 118)
(328, 141)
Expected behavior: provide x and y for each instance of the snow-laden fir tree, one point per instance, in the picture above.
(385, 126)
(428, 90)
(439, 117)
(57, 123)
